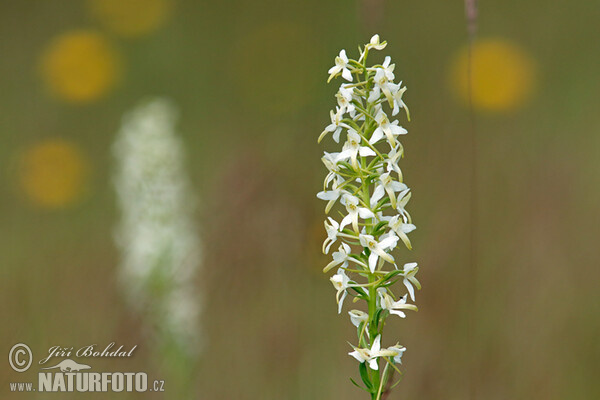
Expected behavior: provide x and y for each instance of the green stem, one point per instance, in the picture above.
(375, 379)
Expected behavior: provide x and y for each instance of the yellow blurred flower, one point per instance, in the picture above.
(53, 173)
(131, 18)
(503, 75)
(274, 67)
(80, 66)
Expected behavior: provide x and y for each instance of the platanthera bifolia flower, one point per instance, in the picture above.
(364, 175)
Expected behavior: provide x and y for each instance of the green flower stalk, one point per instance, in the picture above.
(366, 184)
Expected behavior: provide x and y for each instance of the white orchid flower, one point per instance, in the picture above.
(384, 82)
(344, 97)
(399, 350)
(387, 303)
(408, 272)
(370, 355)
(392, 161)
(398, 103)
(354, 211)
(378, 249)
(387, 128)
(394, 241)
(357, 317)
(342, 257)
(384, 79)
(341, 65)
(375, 43)
(386, 72)
(374, 95)
(332, 195)
(341, 282)
(332, 229)
(339, 257)
(386, 88)
(387, 185)
(352, 148)
(330, 161)
(335, 126)
(401, 229)
(403, 198)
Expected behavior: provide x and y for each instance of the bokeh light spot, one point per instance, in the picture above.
(80, 66)
(53, 173)
(131, 18)
(274, 67)
(503, 75)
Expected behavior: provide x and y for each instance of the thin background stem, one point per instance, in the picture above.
(471, 14)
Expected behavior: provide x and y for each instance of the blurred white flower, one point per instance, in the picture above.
(156, 236)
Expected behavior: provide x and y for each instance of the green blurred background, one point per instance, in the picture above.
(510, 301)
